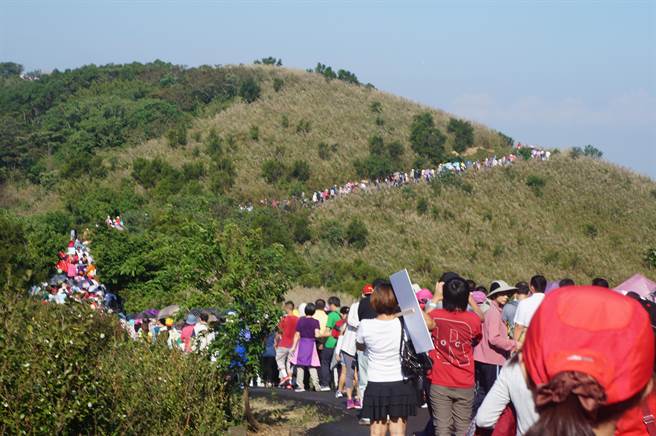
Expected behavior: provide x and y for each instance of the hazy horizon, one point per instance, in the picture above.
(551, 73)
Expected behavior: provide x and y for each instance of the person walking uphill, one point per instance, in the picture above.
(452, 376)
(589, 358)
(495, 347)
(389, 398)
(287, 328)
(304, 349)
(328, 350)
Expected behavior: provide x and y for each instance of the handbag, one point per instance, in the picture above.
(413, 366)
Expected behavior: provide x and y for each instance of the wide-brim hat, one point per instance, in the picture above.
(500, 287)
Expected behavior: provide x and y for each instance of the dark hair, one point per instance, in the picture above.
(482, 289)
(472, 285)
(456, 295)
(289, 304)
(377, 282)
(600, 282)
(310, 309)
(566, 282)
(569, 418)
(204, 316)
(344, 310)
(522, 288)
(539, 283)
(383, 300)
(334, 301)
(320, 304)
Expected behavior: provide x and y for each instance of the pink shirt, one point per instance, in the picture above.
(495, 346)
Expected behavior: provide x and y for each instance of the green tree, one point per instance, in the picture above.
(10, 69)
(463, 133)
(426, 139)
(252, 275)
(592, 152)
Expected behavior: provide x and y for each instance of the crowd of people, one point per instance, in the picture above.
(401, 178)
(534, 358)
(76, 279)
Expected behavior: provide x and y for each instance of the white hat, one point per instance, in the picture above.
(500, 287)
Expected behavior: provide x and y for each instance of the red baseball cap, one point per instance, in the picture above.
(592, 330)
(368, 289)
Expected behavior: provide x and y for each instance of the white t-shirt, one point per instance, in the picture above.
(509, 387)
(349, 337)
(527, 308)
(382, 340)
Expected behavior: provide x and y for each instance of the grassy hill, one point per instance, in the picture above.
(297, 114)
(176, 150)
(589, 219)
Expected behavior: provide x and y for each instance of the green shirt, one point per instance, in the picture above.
(333, 317)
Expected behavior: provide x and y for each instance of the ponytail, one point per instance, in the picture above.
(573, 404)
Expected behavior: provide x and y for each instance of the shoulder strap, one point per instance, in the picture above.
(401, 342)
(648, 419)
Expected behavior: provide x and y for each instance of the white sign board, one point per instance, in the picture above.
(414, 321)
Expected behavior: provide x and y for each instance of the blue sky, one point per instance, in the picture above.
(553, 73)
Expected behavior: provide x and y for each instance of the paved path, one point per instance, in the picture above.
(345, 422)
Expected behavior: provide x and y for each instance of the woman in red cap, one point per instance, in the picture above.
(589, 356)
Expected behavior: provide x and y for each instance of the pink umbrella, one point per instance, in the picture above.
(639, 284)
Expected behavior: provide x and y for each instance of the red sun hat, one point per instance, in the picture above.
(368, 289)
(592, 330)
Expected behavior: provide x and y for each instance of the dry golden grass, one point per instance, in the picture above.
(503, 230)
(339, 113)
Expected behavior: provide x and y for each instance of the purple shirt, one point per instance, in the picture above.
(306, 327)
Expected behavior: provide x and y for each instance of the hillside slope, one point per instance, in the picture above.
(590, 219)
(338, 114)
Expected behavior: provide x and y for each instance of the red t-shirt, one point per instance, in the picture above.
(631, 423)
(287, 326)
(453, 357)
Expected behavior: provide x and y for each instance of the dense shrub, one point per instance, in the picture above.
(324, 151)
(376, 145)
(213, 143)
(303, 127)
(72, 371)
(284, 121)
(300, 170)
(506, 140)
(249, 90)
(193, 170)
(177, 136)
(426, 139)
(149, 172)
(590, 230)
(333, 232)
(357, 234)
(650, 258)
(254, 133)
(576, 152)
(278, 83)
(273, 170)
(536, 183)
(524, 153)
(346, 276)
(395, 149)
(223, 173)
(422, 206)
(463, 133)
(375, 107)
